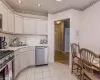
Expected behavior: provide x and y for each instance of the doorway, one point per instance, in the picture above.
(62, 41)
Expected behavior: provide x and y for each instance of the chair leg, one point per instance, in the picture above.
(80, 73)
(72, 67)
(77, 68)
(82, 76)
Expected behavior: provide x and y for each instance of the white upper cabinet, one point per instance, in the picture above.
(29, 26)
(19, 24)
(42, 27)
(10, 21)
(3, 11)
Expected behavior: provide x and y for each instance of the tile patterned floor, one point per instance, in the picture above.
(54, 71)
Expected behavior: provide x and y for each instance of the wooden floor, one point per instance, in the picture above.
(61, 57)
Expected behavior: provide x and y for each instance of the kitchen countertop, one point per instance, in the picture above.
(16, 48)
(42, 45)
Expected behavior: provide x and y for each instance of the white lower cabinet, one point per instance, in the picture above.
(31, 58)
(17, 65)
(24, 58)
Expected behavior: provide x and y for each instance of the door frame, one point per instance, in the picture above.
(69, 38)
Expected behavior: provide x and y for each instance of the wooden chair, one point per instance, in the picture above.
(88, 66)
(76, 65)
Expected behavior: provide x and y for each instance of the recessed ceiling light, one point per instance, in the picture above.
(59, 0)
(39, 5)
(19, 1)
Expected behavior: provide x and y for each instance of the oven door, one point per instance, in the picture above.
(0, 21)
(2, 75)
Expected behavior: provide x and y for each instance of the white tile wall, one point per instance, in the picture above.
(31, 40)
(8, 37)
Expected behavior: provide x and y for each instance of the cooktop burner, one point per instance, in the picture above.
(5, 53)
(5, 57)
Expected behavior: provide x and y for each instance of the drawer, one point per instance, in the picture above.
(27, 49)
(16, 52)
(24, 49)
(32, 48)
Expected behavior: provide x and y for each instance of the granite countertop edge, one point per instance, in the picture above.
(17, 48)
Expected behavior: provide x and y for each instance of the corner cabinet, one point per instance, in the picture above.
(23, 58)
(29, 26)
(10, 22)
(42, 27)
(31, 57)
(3, 11)
(19, 24)
(17, 63)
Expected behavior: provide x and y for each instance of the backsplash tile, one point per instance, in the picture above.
(31, 40)
(8, 37)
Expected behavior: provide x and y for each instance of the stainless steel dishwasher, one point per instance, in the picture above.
(41, 55)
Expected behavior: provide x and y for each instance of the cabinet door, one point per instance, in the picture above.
(31, 58)
(10, 21)
(19, 21)
(42, 27)
(24, 60)
(29, 26)
(3, 11)
(17, 64)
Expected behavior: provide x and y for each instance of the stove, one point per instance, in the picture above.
(6, 56)
(6, 64)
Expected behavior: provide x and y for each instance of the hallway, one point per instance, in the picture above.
(62, 57)
(62, 41)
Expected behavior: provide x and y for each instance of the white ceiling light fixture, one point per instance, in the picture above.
(58, 22)
(58, 0)
(19, 1)
(39, 5)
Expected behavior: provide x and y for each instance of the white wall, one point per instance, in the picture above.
(51, 37)
(75, 17)
(90, 28)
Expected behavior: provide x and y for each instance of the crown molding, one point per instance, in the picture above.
(5, 3)
(91, 4)
(31, 12)
(66, 9)
(46, 14)
(79, 9)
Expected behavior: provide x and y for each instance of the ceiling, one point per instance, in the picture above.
(49, 6)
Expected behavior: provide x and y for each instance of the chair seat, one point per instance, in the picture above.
(90, 75)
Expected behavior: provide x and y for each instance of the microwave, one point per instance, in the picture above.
(0, 21)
